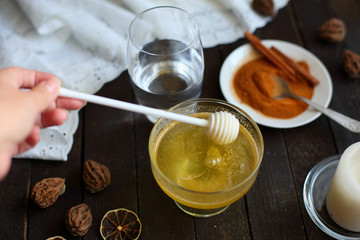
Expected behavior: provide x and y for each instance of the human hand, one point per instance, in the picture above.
(24, 112)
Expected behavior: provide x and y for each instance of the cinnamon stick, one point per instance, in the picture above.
(272, 57)
(311, 80)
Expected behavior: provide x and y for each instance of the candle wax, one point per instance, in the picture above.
(343, 197)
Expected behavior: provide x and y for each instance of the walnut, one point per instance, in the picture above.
(46, 192)
(78, 220)
(351, 63)
(264, 7)
(332, 30)
(96, 176)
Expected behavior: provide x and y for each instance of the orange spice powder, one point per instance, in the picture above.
(254, 86)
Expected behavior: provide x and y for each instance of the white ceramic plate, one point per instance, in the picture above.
(245, 53)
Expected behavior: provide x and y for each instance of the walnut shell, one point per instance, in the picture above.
(96, 176)
(78, 220)
(351, 63)
(332, 30)
(263, 7)
(46, 192)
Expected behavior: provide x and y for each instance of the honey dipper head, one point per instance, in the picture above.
(223, 127)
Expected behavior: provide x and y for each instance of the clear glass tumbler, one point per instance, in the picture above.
(204, 178)
(165, 57)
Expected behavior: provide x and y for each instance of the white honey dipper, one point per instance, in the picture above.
(222, 127)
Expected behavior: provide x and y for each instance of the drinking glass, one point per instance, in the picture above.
(204, 178)
(165, 57)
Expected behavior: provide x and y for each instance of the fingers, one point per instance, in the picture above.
(5, 163)
(30, 79)
(32, 139)
(25, 78)
(53, 117)
(43, 94)
(69, 103)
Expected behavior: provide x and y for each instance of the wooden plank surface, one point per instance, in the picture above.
(272, 209)
(109, 140)
(327, 138)
(14, 200)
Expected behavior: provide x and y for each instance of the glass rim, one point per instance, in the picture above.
(193, 21)
(222, 102)
(310, 199)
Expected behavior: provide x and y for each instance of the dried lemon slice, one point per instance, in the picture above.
(56, 238)
(120, 224)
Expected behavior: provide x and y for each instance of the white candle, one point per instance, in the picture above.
(343, 197)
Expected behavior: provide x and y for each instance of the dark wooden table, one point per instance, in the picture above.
(272, 209)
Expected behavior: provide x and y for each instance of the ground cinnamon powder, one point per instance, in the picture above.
(254, 86)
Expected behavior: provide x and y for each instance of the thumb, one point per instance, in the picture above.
(45, 92)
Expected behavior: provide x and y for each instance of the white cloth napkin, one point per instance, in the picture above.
(84, 43)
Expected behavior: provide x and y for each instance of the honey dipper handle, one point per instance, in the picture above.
(131, 107)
